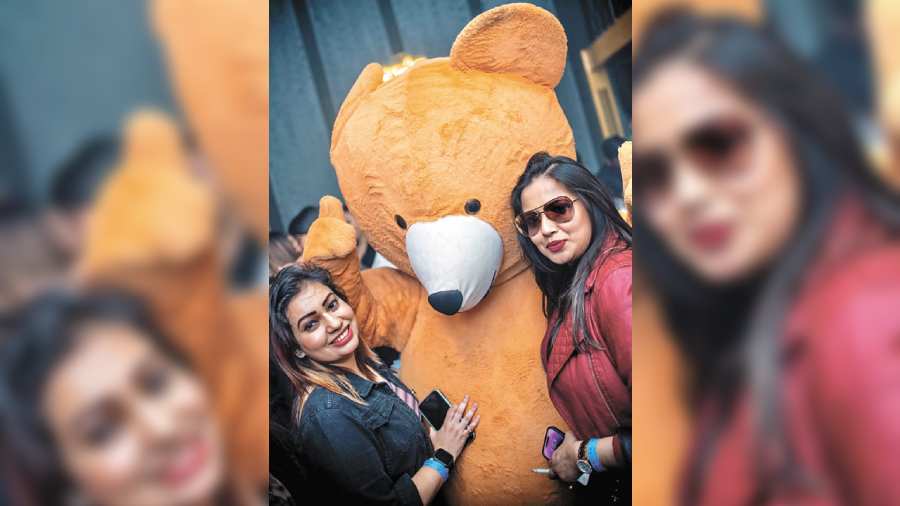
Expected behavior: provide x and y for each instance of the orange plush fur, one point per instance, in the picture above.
(217, 53)
(883, 18)
(625, 166)
(420, 146)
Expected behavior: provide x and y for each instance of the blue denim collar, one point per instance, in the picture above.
(364, 386)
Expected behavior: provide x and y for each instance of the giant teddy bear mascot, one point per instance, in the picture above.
(426, 163)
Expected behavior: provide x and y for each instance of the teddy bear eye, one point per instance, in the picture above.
(473, 206)
(400, 221)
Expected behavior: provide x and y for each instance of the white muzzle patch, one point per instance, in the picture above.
(456, 259)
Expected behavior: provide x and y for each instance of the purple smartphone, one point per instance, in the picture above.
(552, 439)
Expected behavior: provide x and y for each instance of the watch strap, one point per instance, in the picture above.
(582, 453)
(438, 466)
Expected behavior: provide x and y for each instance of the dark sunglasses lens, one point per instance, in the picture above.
(559, 210)
(529, 223)
(652, 174)
(716, 146)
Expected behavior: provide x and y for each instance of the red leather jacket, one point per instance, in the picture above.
(840, 383)
(592, 390)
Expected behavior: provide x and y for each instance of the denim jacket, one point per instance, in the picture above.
(363, 454)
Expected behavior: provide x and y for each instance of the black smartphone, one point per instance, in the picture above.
(434, 408)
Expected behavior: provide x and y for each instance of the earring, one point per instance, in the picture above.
(300, 354)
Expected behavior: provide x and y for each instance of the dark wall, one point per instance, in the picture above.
(318, 48)
(70, 70)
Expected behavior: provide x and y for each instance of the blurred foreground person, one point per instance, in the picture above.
(773, 250)
(156, 230)
(98, 407)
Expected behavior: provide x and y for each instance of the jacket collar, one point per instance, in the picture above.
(362, 385)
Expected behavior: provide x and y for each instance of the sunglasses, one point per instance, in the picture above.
(716, 148)
(558, 210)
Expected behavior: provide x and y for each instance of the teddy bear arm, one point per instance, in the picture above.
(393, 299)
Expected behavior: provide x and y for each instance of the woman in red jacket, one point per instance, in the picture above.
(579, 248)
(774, 252)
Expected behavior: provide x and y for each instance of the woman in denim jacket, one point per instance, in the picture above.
(359, 427)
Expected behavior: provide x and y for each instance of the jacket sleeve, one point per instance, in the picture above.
(614, 307)
(855, 366)
(346, 450)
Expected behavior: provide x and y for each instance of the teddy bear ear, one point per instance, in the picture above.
(519, 39)
(369, 79)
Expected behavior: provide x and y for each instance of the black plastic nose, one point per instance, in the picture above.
(447, 302)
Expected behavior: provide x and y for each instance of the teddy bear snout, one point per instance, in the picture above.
(456, 259)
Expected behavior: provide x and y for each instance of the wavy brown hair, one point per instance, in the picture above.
(305, 373)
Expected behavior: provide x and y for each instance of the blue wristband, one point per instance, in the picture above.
(593, 455)
(438, 466)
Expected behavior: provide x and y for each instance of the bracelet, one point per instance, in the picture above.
(594, 455)
(438, 466)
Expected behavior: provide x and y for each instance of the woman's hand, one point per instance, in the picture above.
(458, 424)
(562, 465)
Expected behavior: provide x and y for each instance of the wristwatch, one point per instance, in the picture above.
(583, 464)
(445, 457)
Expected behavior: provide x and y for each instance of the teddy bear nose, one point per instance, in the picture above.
(447, 302)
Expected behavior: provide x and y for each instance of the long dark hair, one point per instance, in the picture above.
(45, 332)
(562, 286)
(306, 373)
(729, 333)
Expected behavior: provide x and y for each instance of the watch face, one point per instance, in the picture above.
(584, 466)
(444, 456)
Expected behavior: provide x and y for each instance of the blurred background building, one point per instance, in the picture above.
(69, 71)
(318, 48)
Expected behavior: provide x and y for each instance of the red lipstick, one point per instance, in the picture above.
(712, 236)
(191, 460)
(556, 246)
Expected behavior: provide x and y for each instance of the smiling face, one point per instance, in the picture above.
(561, 243)
(323, 324)
(715, 179)
(132, 426)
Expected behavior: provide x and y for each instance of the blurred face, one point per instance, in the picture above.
(297, 241)
(713, 174)
(66, 229)
(133, 427)
(561, 230)
(324, 325)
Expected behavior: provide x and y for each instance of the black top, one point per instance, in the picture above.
(358, 454)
